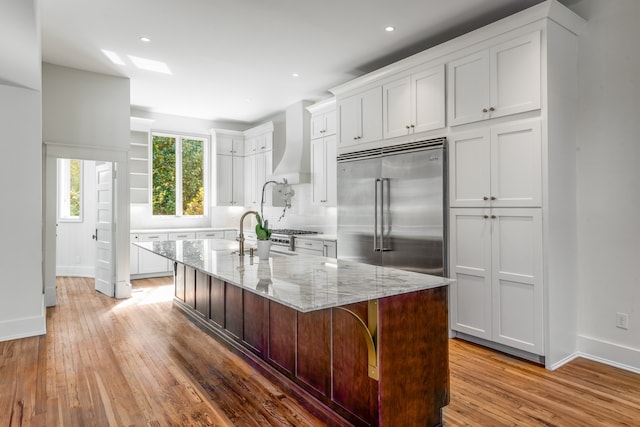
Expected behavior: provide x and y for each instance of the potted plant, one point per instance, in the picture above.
(263, 233)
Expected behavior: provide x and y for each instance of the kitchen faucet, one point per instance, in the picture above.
(241, 238)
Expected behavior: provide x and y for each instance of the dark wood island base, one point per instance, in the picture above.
(324, 358)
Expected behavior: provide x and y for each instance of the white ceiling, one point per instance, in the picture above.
(232, 60)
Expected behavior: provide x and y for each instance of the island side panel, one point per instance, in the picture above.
(352, 389)
(179, 280)
(314, 350)
(282, 337)
(413, 358)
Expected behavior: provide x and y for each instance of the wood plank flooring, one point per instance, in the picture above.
(137, 362)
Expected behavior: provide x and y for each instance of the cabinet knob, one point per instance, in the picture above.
(492, 109)
(407, 126)
(484, 110)
(355, 137)
(413, 126)
(485, 216)
(263, 147)
(485, 198)
(493, 197)
(493, 217)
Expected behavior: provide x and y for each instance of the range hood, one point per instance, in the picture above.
(294, 165)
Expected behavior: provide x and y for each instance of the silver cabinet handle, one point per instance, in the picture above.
(375, 215)
(383, 248)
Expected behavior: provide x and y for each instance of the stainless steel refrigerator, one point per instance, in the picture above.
(391, 207)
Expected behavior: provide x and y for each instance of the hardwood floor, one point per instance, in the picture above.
(107, 362)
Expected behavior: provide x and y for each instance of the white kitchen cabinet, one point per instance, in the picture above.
(230, 145)
(499, 166)
(150, 263)
(133, 255)
(230, 180)
(495, 82)
(323, 124)
(496, 260)
(210, 234)
(258, 167)
(182, 235)
(324, 171)
(360, 118)
(330, 248)
(414, 103)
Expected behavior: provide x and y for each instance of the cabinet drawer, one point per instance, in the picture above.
(152, 237)
(312, 245)
(210, 235)
(182, 236)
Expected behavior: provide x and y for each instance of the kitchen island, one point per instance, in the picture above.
(355, 343)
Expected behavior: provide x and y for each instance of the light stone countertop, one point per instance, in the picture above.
(302, 282)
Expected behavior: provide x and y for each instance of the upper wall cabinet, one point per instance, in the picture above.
(414, 103)
(495, 82)
(323, 124)
(499, 166)
(360, 118)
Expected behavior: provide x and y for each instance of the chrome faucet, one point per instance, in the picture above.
(241, 238)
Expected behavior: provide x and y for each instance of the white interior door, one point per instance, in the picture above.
(105, 259)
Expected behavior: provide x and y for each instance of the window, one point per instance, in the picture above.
(178, 175)
(69, 190)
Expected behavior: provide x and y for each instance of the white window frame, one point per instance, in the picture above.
(64, 190)
(205, 153)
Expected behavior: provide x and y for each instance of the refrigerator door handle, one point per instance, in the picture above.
(375, 215)
(383, 203)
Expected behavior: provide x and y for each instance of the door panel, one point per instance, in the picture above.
(356, 194)
(105, 236)
(470, 169)
(413, 211)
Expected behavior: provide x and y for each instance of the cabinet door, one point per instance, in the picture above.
(396, 108)
(515, 75)
(330, 249)
(237, 181)
(224, 180)
(516, 165)
(470, 266)
(250, 181)
(517, 278)
(427, 100)
(318, 171)
(224, 145)
(189, 235)
(330, 123)
(263, 169)
(149, 262)
(318, 122)
(133, 255)
(210, 235)
(468, 86)
(331, 171)
(470, 169)
(371, 115)
(349, 123)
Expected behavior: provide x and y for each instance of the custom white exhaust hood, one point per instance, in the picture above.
(294, 165)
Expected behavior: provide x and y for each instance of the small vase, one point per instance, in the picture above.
(263, 249)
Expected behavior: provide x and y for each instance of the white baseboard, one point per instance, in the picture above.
(76, 270)
(25, 327)
(615, 355)
(564, 361)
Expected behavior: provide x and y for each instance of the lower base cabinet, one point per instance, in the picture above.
(496, 260)
(322, 356)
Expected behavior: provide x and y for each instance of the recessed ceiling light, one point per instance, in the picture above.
(390, 29)
(295, 75)
(145, 39)
(113, 57)
(150, 64)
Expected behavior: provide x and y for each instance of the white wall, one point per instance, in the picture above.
(86, 116)
(608, 175)
(21, 300)
(75, 249)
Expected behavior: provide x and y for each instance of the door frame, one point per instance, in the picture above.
(52, 151)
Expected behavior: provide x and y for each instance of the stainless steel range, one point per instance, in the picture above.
(284, 237)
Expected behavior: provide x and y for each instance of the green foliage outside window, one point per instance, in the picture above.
(165, 180)
(192, 177)
(75, 175)
(164, 175)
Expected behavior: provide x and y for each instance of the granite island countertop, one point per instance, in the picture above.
(302, 282)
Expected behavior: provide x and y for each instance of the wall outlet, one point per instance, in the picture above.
(622, 320)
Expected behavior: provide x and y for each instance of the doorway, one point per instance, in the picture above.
(97, 243)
